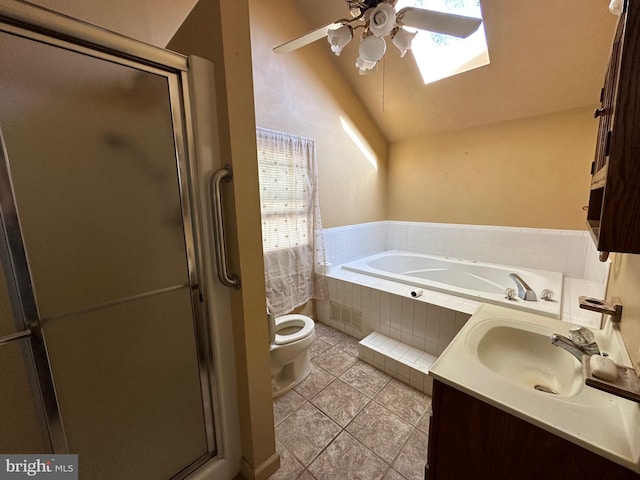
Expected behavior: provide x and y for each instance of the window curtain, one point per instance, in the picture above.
(294, 258)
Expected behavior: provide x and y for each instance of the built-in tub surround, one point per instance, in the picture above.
(409, 332)
(479, 281)
(570, 252)
(360, 304)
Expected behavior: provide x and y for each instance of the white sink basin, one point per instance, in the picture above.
(528, 359)
(501, 355)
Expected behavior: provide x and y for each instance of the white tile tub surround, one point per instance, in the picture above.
(571, 311)
(595, 270)
(343, 244)
(568, 251)
(360, 305)
(401, 361)
(556, 250)
(363, 306)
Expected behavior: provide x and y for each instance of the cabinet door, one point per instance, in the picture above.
(469, 438)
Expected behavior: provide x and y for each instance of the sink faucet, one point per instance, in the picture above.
(582, 342)
(524, 290)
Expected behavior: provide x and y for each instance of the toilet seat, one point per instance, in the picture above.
(305, 323)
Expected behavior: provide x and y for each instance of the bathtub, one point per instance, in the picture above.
(484, 282)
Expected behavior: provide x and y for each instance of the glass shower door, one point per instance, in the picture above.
(94, 154)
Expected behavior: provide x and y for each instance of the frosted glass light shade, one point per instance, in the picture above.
(338, 38)
(372, 48)
(616, 7)
(402, 40)
(382, 20)
(365, 65)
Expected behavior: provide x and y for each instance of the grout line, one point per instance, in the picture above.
(369, 400)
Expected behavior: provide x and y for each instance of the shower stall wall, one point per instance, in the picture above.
(105, 345)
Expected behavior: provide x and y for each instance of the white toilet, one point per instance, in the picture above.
(290, 363)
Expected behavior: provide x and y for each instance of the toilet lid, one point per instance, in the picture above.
(305, 324)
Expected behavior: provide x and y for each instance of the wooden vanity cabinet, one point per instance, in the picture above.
(613, 214)
(470, 439)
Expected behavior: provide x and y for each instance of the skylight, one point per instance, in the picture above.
(440, 56)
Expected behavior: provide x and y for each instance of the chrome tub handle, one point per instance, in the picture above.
(223, 174)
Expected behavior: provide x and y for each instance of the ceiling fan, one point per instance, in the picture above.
(378, 18)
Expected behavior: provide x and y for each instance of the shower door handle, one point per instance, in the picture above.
(15, 336)
(227, 279)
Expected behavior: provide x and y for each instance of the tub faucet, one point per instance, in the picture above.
(582, 342)
(524, 290)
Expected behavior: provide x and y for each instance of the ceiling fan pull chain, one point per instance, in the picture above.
(384, 74)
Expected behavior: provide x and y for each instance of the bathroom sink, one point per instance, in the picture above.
(525, 356)
(501, 355)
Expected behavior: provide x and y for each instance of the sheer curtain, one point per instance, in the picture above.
(291, 225)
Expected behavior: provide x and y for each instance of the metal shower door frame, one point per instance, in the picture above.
(23, 303)
(44, 26)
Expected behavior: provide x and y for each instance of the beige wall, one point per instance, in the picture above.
(624, 282)
(302, 93)
(219, 30)
(532, 172)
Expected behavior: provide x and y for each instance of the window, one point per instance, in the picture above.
(291, 226)
(440, 56)
(285, 191)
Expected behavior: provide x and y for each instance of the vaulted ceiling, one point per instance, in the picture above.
(546, 56)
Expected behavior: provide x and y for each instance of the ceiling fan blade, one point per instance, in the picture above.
(306, 39)
(438, 22)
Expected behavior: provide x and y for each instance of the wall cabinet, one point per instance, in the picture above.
(469, 438)
(614, 203)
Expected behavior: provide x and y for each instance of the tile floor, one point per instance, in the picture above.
(348, 420)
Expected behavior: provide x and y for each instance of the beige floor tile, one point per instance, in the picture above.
(322, 328)
(404, 401)
(423, 423)
(286, 404)
(334, 361)
(380, 430)
(347, 459)
(374, 437)
(330, 335)
(341, 402)
(413, 456)
(306, 432)
(393, 475)
(316, 381)
(367, 379)
(317, 347)
(349, 345)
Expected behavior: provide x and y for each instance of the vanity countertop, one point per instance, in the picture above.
(598, 421)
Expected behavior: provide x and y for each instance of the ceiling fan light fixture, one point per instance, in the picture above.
(372, 48)
(379, 18)
(339, 38)
(402, 39)
(382, 20)
(371, 71)
(365, 66)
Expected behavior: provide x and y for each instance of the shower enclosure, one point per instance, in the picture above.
(104, 331)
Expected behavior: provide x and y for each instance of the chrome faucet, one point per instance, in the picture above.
(524, 290)
(582, 342)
